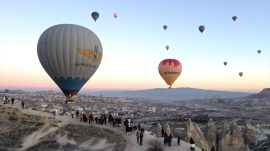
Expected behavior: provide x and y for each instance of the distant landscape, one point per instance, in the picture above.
(158, 94)
(174, 94)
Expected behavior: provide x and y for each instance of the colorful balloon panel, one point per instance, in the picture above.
(169, 70)
(70, 54)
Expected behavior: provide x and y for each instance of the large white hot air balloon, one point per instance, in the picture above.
(70, 54)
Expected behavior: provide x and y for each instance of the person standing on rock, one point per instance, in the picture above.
(12, 101)
(178, 140)
(162, 131)
(22, 104)
(170, 140)
(138, 137)
(72, 114)
(77, 114)
(141, 138)
(192, 144)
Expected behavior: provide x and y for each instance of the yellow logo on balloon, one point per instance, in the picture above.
(90, 54)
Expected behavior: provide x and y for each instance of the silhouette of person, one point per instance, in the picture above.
(170, 140)
(162, 132)
(22, 104)
(141, 138)
(178, 140)
(192, 144)
(138, 137)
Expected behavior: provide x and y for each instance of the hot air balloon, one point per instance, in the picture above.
(201, 28)
(169, 70)
(225, 63)
(70, 54)
(165, 27)
(259, 51)
(95, 15)
(167, 47)
(240, 74)
(234, 18)
(115, 15)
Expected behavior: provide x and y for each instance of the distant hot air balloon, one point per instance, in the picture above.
(70, 54)
(165, 27)
(167, 47)
(240, 74)
(234, 18)
(225, 63)
(201, 28)
(115, 15)
(169, 70)
(95, 15)
(259, 51)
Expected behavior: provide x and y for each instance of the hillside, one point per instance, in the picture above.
(174, 94)
(29, 130)
(25, 131)
(265, 93)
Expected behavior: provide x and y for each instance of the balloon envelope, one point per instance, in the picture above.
(70, 54)
(115, 15)
(234, 18)
(259, 51)
(201, 28)
(167, 47)
(240, 74)
(169, 70)
(95, 15)
(225, 63)
(165, 27)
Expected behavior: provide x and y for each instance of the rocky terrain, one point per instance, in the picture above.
(23, 131)
(230, 137)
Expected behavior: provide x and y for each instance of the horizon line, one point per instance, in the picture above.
(35, 89)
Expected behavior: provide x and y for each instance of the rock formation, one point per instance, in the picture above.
(249, 134)
(158, 130)
(211, 135)
(167, 129)
(231, 139)
(193, 130)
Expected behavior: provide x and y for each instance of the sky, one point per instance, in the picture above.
(134, 43)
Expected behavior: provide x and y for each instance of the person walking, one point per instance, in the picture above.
(138, 137)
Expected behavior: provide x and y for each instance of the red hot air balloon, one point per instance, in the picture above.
(170, 70)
